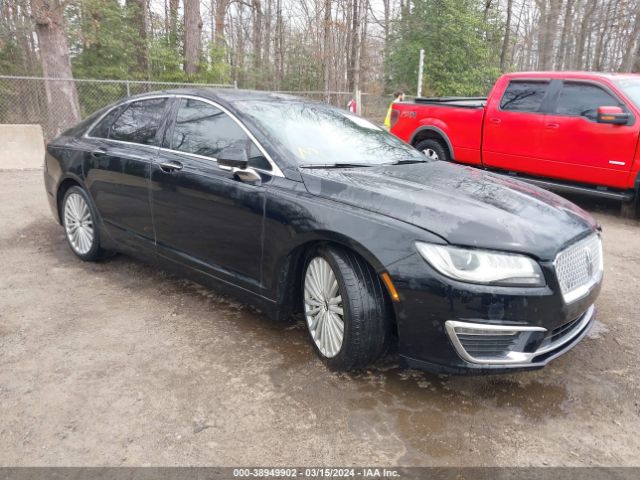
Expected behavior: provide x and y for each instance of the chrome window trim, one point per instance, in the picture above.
(275, 169)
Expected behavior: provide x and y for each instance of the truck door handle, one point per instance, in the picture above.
(553, 125)
(170, 166)
(496, 121)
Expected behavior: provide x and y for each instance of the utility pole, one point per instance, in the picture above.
(420, 71)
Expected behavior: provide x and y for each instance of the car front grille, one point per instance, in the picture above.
(579, 267)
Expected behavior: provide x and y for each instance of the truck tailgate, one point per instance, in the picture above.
(459, 124)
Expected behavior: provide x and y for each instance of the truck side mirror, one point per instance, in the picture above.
(612, 115)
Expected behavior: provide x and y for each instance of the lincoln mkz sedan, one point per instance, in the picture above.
(307, 210)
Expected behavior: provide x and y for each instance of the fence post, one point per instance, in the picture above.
(128, 90)
(420, 72)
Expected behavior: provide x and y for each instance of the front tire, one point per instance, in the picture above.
(344, 309)
(434, 149)
(79, 221)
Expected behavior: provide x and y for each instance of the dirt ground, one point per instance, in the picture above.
(117, 363)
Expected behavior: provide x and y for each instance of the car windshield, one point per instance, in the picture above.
(631, 88)
(320, 135)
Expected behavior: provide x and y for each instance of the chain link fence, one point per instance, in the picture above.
(23, 100)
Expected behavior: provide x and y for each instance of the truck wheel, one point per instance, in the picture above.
(433, 149)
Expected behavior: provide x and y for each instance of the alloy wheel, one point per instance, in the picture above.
(78, 223)
(323, 307)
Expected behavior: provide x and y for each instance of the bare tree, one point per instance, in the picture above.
(192, 35)
(632, 56)
(506, 38)
(62, 97)
(353, 74)
(138, 11)
(326, 39)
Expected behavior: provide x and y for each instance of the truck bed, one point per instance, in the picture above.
(460, 102)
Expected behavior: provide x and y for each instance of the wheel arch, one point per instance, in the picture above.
(430, 131)
(65, 184)
(291, 271)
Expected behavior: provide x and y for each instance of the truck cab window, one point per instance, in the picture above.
(523, 96)
(582, 100)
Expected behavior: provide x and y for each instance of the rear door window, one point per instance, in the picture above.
(524, 96)
(139, 123)
(583, 100)
(101, 130)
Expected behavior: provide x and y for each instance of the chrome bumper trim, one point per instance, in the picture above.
(514, 358)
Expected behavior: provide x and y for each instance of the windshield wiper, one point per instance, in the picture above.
(336, 165)
(405, 162)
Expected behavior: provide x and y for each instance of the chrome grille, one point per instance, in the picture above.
(579, 267)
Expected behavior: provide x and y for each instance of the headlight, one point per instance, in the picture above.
(482, 266)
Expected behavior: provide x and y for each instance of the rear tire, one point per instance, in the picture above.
(434, 149)
(79, 222)
(354, 305)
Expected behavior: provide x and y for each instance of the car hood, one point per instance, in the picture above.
(463, 205)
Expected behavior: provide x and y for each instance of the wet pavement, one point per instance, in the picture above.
(118, 363)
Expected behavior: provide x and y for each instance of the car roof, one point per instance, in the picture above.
(231, 96)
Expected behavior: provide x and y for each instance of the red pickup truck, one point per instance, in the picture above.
(566, 131)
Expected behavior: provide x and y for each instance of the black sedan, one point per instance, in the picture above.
(304, 208)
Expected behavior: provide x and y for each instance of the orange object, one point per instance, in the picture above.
(390, 287)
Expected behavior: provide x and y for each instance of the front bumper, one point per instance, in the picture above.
(432, 307)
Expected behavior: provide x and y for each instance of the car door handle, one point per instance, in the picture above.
(553, 125)
(170, 166)
(99, 152)
(495, 121)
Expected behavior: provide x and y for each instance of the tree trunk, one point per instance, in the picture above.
(62, 98)
(326, 39)
(636, 63)
(279, 44)
(562, 47)
(137, 11)
(192, 36)
(629, 60)
(507, 38)
(266, 52)
(173, 22)
(257, 39)
(221, 10)
(549, 19)
(579, 61)
(354, 57)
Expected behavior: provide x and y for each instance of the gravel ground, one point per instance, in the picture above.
(117, 363)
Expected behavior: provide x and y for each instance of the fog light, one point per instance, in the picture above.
(494, 344)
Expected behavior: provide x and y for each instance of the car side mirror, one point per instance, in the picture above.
(612, 115)
(235, 160)
(233, 157)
